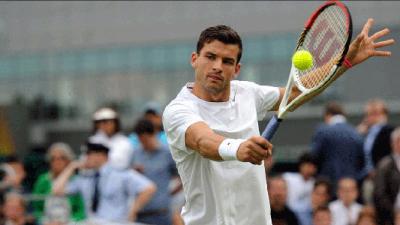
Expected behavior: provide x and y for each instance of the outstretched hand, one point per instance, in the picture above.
(365, 46)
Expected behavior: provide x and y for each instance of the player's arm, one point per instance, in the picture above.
(202, 139)
(362, 48)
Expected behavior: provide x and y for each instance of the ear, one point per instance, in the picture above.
(237, 70)
(193, 59)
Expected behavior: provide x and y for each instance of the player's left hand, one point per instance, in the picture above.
(365, 46)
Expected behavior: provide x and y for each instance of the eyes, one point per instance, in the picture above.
(226, 61)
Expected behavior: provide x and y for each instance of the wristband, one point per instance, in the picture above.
(347, 63)
(228, 148)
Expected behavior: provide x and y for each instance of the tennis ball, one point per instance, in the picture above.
(302, 60)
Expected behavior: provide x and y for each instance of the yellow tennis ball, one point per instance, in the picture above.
(302, 60)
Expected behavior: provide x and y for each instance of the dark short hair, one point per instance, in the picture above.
(96, 147)
(334, 108)
(307, 158)
(222, 33)
(323, 181)
(12, 159)
(144, 126)
(152, 112)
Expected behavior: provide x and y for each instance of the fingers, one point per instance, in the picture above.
(367, 26)
(383, 43)
(382, 53)
(380, 34)
(255, 150)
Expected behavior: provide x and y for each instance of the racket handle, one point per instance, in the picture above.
(271, 128)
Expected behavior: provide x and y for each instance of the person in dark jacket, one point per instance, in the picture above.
(387, 183)
(337, 146)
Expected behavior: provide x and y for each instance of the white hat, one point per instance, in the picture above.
(105, 114)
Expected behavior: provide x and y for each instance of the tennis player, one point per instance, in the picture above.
(213, 132)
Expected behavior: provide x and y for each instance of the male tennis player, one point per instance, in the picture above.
(213, 132)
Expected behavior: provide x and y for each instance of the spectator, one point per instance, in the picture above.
(322, 216)
(387, 182)
(154, 160)
(337, 147)
(345, 209)
(300, 185)
(280, 213)
(109, 194)
(107, 131)
(59, 155)
(320, 196)
(153, 114)
(367, 216)
(14, 210)
(376, 132)
(14, 175)
(397, 218)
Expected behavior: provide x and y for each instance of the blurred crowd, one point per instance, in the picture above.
(349, 176)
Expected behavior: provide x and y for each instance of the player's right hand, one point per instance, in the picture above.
(254, 150)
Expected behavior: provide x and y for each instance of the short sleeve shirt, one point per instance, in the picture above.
(227, 192)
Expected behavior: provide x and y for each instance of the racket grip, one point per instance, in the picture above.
(271, 128)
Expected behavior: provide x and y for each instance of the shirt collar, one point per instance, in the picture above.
(337, 119)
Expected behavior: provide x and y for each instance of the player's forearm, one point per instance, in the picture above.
(202, 139)
(141, 200)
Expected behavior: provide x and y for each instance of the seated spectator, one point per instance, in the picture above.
(320, 197)
(14, 210)
(397, 218)
(387, 182)
(13, 175)
(322, 216)
(345, 209)
(367, 216)
(109, 193)
(300, 184)
(280, 213)
(59, 155)
(154, 160)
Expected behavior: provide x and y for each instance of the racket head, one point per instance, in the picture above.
(327, 35)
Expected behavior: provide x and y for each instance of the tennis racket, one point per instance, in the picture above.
(326, 35)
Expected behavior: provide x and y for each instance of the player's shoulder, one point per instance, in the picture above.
(182, 101)
(243, 84)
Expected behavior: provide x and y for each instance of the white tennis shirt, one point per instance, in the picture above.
(227, 192)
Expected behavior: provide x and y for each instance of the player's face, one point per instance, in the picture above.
(215, 66)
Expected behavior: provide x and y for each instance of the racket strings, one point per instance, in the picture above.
(326, 41)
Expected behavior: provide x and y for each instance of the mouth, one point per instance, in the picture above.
(215, 77)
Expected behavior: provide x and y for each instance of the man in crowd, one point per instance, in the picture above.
(300, 185)
(154, 160)
(280, 212)
(387, 183)
(109, 194)
(337, 146)
(345, 209)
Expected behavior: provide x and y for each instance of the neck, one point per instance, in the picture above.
(152, 144)
(211, 95)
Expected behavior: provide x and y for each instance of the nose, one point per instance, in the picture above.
(217, 65)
